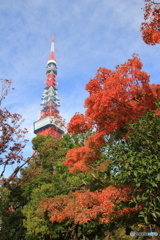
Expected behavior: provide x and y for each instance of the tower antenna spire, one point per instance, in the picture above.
(52, 50)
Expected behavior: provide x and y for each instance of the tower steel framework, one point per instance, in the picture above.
(49, 122)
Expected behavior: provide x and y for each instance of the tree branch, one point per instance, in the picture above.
(3, 170)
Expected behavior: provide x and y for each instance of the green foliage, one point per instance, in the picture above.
(4, 199)
(12, 226)
(136, 163)
(11, 203)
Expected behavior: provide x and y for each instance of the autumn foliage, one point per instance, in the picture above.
(79, 124)
(81, 159)
(115, 98)
(86, 206)
(151, 27)
(12, 136)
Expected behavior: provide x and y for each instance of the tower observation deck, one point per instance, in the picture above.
(49, 122)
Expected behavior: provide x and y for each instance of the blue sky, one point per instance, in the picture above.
(88, 34)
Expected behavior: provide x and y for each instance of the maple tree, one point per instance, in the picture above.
(151, 27)
(85, 206)
(115, 98)
(12, 137)
(79, 124)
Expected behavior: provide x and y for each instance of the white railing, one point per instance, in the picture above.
(49, 120)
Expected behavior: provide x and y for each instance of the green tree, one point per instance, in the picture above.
(135, 162)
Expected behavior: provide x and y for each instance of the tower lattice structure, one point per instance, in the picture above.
(49, 122)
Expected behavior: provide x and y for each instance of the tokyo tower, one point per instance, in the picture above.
(49, 122)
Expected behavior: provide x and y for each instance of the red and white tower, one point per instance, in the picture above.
(49, 122)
